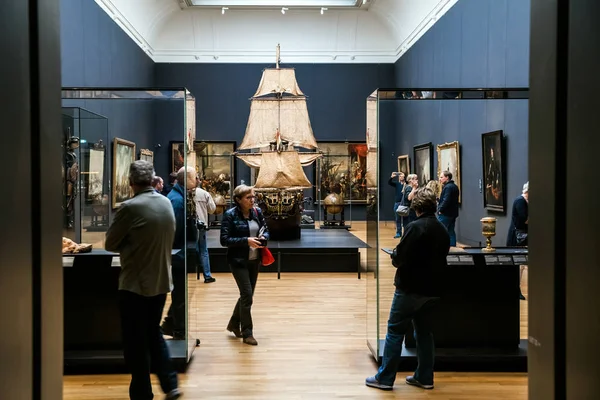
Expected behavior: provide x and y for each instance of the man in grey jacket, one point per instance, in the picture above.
(142, 232)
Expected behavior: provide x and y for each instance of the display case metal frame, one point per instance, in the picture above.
(91, 279)
(375, 310)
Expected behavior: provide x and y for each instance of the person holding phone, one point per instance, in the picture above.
(244, 232)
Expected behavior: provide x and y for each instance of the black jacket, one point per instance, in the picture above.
(421, 257)
(520, 215)
(448, 205)
(235, 233)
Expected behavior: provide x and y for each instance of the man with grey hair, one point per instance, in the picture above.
(420, 259)
(184, 208)
(142, 232)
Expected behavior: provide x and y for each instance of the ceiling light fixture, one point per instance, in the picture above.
(323, 9)
(223, 10)
(284, 9)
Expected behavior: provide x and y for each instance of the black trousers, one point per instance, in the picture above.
(245, 276)
(176, 314)
(144, 348)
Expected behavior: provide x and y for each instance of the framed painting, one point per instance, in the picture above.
(448, 155)
(494, 171)
(404, 164)
(343, 169)
(123, 156)
(147, 155)
(95, 175)
(423, 163)
(214, 164)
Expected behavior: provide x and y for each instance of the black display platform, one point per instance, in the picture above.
(469, 359)
(476, 324)
(92, 325)
(316, 251)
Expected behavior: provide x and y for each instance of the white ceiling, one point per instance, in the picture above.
(188, 31)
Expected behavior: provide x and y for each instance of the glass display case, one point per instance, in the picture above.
(426, 130)
(104, 131)
(85, 175)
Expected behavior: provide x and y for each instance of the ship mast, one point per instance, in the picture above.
(279, 95)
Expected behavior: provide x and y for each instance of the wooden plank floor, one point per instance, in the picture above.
(311, 330)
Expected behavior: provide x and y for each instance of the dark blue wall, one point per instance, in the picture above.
(96, 52)
(477, 43)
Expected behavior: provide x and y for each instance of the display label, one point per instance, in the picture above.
(68, 261)
(116, 261)
(520, 259)
(459, 260)
(466, 260)
(498, 259)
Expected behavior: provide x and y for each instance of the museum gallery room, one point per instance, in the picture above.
(293, 199)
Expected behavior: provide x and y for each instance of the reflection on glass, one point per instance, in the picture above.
(372, 222)
(92, 119)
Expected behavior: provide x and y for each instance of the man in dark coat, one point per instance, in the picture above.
(448, 205)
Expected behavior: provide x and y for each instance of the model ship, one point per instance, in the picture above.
(278, 126)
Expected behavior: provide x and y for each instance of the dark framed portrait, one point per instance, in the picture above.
(423, 163)
(494, 171)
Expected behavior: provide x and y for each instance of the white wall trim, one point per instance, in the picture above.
(290, 56)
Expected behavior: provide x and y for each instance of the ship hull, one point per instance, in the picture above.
(283, 213)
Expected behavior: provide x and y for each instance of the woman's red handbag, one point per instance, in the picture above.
(267, 257)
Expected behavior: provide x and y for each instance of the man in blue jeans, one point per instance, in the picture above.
(448, 205)
(420, 258)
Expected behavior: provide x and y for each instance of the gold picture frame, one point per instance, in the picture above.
(123, 156)
(147, 155)
(448, 157)
(404, 165)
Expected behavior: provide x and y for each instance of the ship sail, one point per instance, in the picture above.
(254, 160)
(289, 116)
(278, 80)
(283, 171)
(279, 121)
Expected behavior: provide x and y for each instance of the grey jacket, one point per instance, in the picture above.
(142, 232)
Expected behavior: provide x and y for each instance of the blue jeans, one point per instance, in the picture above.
(399, 219)
(407, 308)
(202, 251)
(448, 222)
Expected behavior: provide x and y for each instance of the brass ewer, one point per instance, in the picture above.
(488, 229)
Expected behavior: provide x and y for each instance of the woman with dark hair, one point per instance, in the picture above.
(244, 232)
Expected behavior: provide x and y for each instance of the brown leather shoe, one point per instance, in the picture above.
(236, 331)
(250, 340)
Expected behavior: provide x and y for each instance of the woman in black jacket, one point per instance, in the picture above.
(244, 232)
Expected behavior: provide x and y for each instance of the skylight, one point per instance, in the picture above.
(275, 3)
